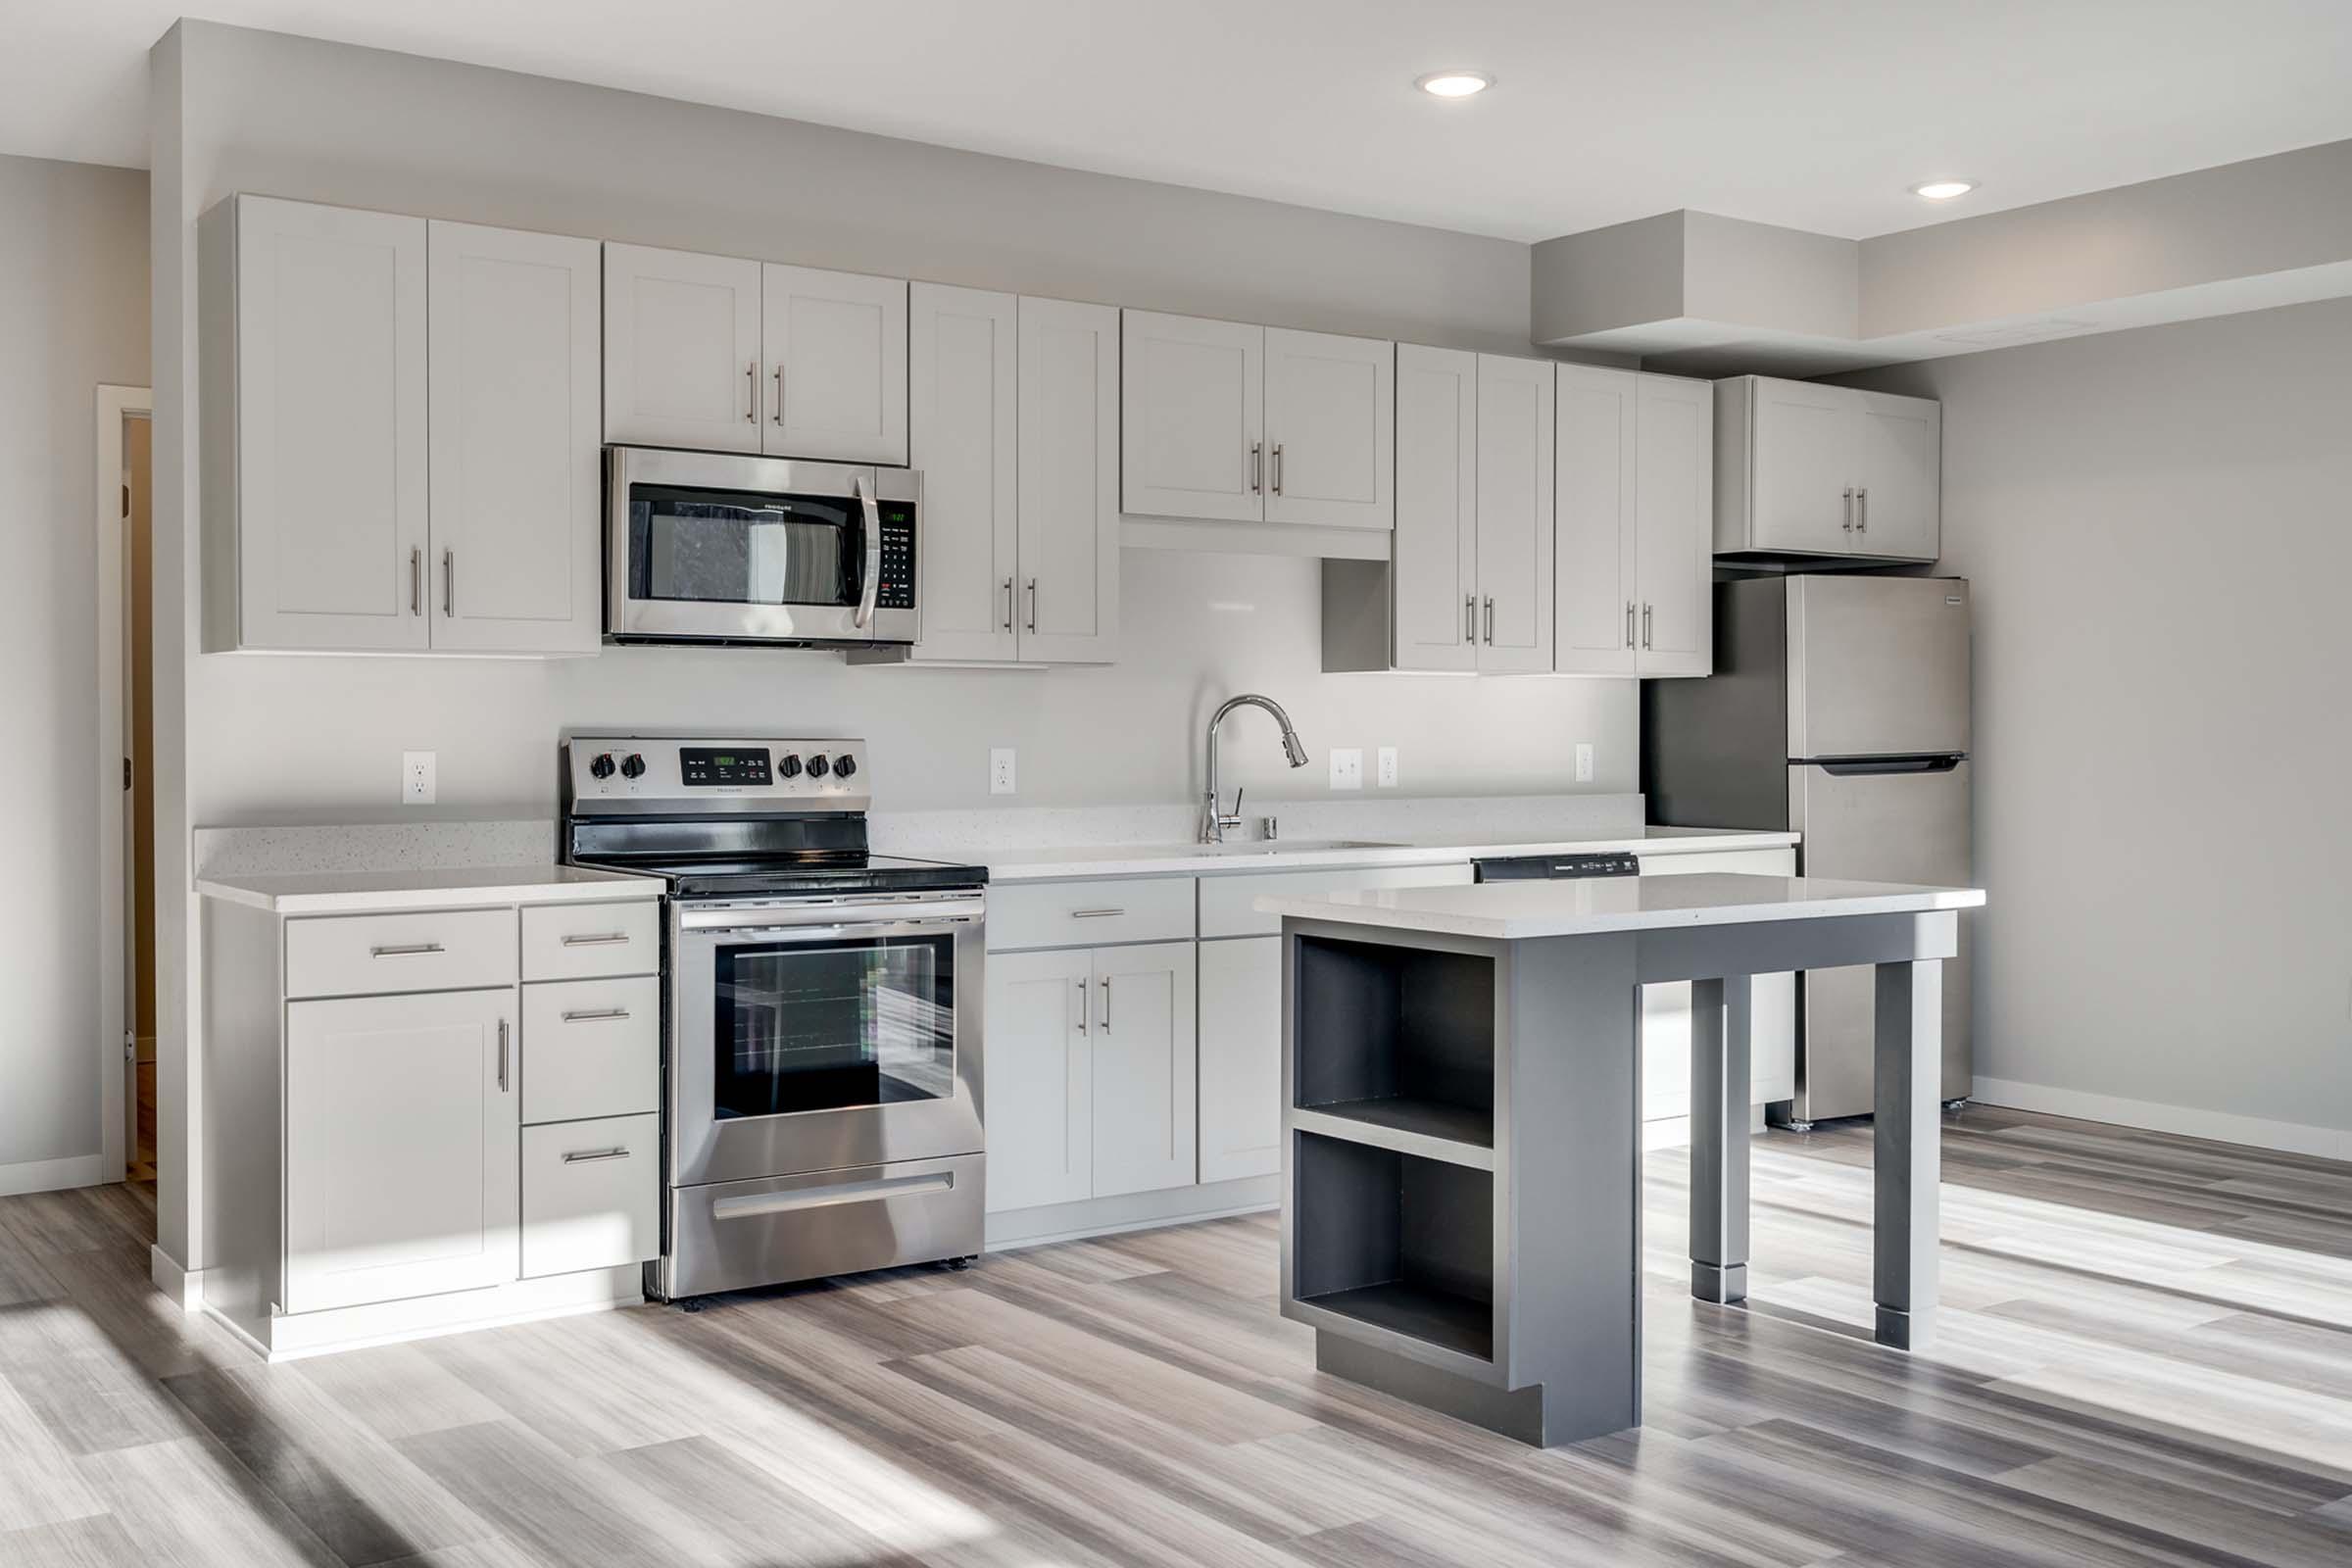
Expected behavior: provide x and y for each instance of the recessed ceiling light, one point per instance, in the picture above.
(1943, 190)
(1454, 83)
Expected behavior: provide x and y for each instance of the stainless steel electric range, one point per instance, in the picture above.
(823, 1071)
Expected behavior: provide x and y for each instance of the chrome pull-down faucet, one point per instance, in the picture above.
(1215, 821)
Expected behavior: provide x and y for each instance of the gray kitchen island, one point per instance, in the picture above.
(1461, 1213)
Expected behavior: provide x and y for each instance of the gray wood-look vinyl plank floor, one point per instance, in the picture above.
(2147, 1359)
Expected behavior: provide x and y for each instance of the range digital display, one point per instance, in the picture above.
(709, 766)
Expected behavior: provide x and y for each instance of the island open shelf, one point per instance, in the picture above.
(1397, 1241)
(1395, 1048)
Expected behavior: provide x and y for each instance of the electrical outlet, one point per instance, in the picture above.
(999, 770)
(1348, 768)
(1387, 767)
(1584, 761)
(417, 777)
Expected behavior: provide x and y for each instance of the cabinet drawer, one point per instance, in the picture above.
(591, 1194)
(591, 1048)
(578, 941)
(1072, 914)
(368, 955)
(1226, 901)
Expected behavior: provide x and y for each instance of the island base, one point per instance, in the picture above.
(1545, 1416)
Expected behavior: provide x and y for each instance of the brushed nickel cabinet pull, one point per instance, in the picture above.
(596, 1015)
(1629, 623)
(1490, 620)
(1470, 617)
(1849, 508)
(589, 1157)
(416, 581)
(1033, 604)
(1645, 626)
(1095, 914)
(1862, 510)
(501, 1055)
(779, 394)
(1278, 468)
(404, 950)
(1083, 995)
(1107, 985)
(449, 582)
(1008, 603)
(1257, 450)
(595, 939)
(750, 394)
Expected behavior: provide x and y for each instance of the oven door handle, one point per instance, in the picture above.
(820, 918)
(873, 551)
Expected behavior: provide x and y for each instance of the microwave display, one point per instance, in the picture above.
(706, 766)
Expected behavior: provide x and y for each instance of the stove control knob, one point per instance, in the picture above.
(602, 766)
(818, 767)
(845, 766)
(633, 765)
(787, 766)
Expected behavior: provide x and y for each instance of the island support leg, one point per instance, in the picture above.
(1907, 1164)
(1720, 1013)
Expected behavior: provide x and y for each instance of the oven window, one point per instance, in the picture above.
(717, 547)
(831, 1026)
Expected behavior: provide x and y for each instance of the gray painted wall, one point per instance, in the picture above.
(73, 313)
(2157, 524)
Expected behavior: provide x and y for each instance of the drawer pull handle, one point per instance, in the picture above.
(589, 1157)
(753, 1205)
(598, 939)
(1095, 914)
(404, 950)
(596, 1015)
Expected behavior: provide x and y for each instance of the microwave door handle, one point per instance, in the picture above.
(874, 553)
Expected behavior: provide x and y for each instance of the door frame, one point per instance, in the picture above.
(116, 403)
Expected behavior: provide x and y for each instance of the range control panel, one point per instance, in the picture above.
(645, 772)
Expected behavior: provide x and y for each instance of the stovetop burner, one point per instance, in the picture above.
(753, 877)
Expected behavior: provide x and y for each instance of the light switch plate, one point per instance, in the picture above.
(1387, 767)
(999, 770)
(1348, 767)
(1584, 761)
(418, 770)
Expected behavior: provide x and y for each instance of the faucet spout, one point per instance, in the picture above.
(1215, 821)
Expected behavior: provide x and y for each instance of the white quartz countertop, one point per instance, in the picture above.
(427, 888)
(1027, 863)
(1511, 912)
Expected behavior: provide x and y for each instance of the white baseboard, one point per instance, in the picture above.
(52, 1175)
(2293, 1138)
(183, 1286)
(1136, 1211)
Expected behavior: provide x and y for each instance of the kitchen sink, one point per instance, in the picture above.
(1290, 846)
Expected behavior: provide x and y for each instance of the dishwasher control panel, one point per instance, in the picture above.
(1557, 867)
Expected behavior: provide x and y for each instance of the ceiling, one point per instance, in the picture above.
(1815, 113)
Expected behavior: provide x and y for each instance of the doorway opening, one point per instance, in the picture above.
(126, 773)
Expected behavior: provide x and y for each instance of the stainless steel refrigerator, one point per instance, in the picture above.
(1839, 709)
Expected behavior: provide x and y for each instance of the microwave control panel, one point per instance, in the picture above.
(897, 589)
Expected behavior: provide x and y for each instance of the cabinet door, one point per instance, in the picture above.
(1597, 612)
(1039, 1079)
(331, 389)
(1145, 1059)
(1435, 577)
(1331, 430)
(1240, 1059)
(963, 346)
(1069, 482)
(403, 1147)
(516, 485)
(681, 350)
(835, 366)
(1900, 470)
(1191, 417)
(1514, 514)
(1802, 462)
(1674, 511)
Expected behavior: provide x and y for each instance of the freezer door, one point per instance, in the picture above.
(1878, 666)
(1909, 826)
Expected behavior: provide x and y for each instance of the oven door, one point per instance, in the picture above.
(823, 1034)
(710, 546)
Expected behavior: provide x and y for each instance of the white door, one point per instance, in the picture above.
(1331, 430)
(1145, 1059)
(835, 366)
(331, 464)
(1068, 592)
(961, 400)
(681, 350)
(1673, 510)
(1514, 514)
(1039, 1094)
(403, 1147)
(513, 415)
(1434, 576)
(1900, 470)
(1597, 613)
(1241, 1058)
(1191, 417)
(1802, 466)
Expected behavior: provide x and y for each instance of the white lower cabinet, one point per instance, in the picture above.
(1145, 1045)
(1241, 1058)
(591, 1194)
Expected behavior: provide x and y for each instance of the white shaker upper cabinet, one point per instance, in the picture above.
(836, 355)
(1674, 506)
(1597, 595)
(1802, 466)
(682, 350)
(1331, 426)
(1068, 587)
(1194, 418)
(326, 523)
(961, 427)
(1514, 514)
(1899, 469)
(514, 419)
(1435, 577)
(1805, 469)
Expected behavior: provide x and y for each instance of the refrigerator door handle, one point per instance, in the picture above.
(1864, 766)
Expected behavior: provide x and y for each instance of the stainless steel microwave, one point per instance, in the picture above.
(716, 547)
